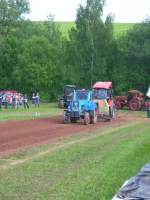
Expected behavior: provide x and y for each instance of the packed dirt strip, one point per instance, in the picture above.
(19, 135)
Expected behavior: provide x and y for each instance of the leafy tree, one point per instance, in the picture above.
(11, 12)
(134, 58)
(90, 42)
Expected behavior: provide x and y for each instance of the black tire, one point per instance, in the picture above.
(86, 118)
(73, 120)
(93, 117)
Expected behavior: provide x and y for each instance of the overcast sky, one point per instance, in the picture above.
(65, 10)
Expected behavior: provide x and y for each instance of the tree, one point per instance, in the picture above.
(89, 43)
(11, 13)
(134, 58)
(11, 16)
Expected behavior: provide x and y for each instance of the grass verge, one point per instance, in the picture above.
(45, 110)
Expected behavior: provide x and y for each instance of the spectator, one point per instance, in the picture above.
(14, 101)
(33, 99)
(37, 100)
(1, 101)
(25, 101)
(5, 101)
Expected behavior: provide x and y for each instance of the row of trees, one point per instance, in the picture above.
(35, 56)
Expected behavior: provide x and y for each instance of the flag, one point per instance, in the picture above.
(148, 92)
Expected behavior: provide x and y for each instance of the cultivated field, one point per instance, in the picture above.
(44, 159)
(119, 28)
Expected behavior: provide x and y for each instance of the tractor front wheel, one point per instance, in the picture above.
(73, 120)
(86, 118)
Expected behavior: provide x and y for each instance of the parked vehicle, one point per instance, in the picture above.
(103, 97)
(81, 107)
(63, 102)
(134, 100)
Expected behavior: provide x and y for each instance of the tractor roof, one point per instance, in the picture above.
(135, 92)
(102, 85)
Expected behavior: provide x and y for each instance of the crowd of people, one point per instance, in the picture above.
(15, 100)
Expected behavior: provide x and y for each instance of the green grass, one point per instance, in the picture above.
(119, 28)
(65, 27)
(45, 110)
(90, 166)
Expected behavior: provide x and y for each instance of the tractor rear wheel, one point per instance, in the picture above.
(66, 118)
(133, 105)
(86, 118)
(93, 118)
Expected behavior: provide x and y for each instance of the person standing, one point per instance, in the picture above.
(25, 102)
(1, 101)
(14, 101)
(37, 98)
(33, 99)
(5, 101)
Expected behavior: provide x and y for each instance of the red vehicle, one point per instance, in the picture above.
(134, 100)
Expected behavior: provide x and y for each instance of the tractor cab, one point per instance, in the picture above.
(103, 97)
(67, 96)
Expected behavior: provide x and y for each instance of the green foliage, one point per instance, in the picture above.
(44, 56)
(88, 44)
(134, 58)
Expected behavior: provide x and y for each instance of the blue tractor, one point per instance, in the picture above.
(81, 107)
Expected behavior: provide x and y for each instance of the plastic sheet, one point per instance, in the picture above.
(136, 188)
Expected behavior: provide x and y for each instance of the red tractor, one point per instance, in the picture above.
(134, 100)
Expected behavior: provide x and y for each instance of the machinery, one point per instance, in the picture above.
(81, 107)
(103, 97)
(64, 101)
(134, 100)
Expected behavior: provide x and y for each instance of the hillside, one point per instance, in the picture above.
(119, 28)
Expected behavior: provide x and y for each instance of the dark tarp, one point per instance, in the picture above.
(136, 188)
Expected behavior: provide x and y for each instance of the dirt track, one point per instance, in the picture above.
(15, 136)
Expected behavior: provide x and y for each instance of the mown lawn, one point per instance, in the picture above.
(45, 110)
(90, 166)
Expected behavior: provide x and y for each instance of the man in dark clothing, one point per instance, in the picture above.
(25, 102)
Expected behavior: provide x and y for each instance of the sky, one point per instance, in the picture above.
(125, 11)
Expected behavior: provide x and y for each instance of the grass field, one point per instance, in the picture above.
(119, 28)
(45, 110)
(88, 166)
